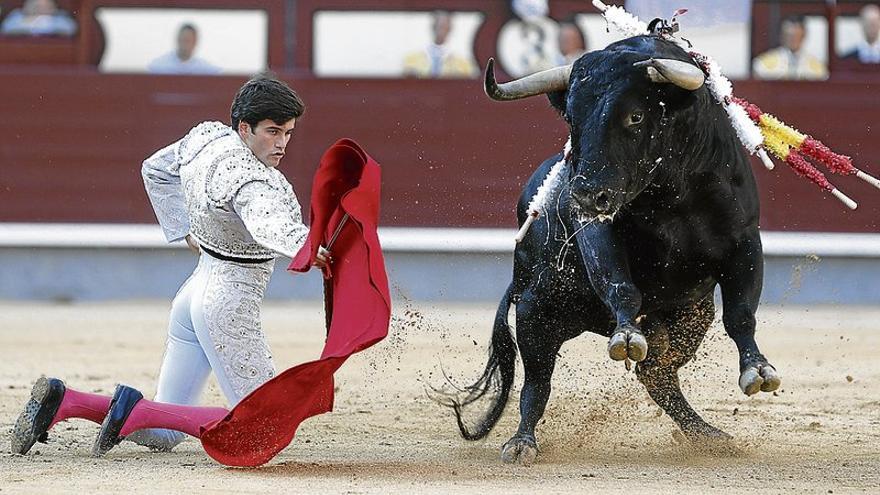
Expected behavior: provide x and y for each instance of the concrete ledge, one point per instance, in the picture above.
(111, 262)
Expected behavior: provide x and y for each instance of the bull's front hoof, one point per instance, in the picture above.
(763, 378)
(519, 450)
(628, 344)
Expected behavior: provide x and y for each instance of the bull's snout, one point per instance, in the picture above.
(594, 201)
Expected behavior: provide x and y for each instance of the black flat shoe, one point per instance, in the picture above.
(124, 400)
(32, 425)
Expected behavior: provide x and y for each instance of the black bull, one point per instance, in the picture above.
(658, 206)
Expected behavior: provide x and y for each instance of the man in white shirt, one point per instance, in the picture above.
(183, 59)
(868, 50)
(38, 18)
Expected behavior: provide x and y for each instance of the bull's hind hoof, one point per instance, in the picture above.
(762, 378)
(706, 439)
(628, 344)
(519, 450)
(706, 434)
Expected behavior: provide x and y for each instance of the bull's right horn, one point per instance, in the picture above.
(682, 74)
(546, 81)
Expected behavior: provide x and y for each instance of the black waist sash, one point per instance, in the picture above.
(223, 257)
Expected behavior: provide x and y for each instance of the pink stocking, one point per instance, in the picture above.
(188, 419)
(92, 407)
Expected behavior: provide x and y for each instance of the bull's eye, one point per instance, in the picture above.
(635, 118)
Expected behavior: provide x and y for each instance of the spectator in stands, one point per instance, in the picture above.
(572, 43)
(436, 60)
(38, 18)
(183, 60)
(530, 9)
(789, 61)
(535, 50)
(868, 50)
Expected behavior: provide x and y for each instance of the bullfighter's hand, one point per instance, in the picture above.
(323, 258)
(193, 245)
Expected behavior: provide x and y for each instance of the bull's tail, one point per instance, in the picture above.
(494, 384)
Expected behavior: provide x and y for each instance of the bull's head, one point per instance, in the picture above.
(622, 104)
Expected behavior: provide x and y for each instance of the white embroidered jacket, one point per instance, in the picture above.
(209, 184)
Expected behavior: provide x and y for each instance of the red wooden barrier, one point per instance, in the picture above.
(72, 140)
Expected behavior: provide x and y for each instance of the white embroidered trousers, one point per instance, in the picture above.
(214, 326)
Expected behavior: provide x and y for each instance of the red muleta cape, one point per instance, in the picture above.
(264, 422)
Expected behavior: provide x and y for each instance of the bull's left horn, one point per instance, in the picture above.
(546, 81)
(666, 70)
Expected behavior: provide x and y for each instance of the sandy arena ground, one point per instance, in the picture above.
(819, 434)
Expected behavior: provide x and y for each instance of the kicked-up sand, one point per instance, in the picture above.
(820, 433)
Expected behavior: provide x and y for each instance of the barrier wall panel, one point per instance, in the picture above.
(73, 140)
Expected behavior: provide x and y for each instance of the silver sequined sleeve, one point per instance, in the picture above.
(270, 216)
(162, 181)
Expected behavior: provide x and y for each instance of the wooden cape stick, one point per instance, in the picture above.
(328, 282)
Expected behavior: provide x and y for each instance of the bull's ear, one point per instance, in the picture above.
(557, 100)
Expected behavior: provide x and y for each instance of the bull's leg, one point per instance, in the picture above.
(673, 342)
(608, 271)
(538, 344)
(741, 282)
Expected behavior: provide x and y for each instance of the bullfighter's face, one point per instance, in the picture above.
(267, 140)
